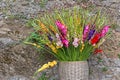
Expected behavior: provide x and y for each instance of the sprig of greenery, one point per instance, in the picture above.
(43, 77)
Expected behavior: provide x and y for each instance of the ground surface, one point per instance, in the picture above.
(19, 61)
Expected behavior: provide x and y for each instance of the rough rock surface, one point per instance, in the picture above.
(19, 62)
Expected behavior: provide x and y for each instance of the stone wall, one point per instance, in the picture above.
(19, 62)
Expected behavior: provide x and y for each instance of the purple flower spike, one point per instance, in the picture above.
(91, 33)
(50, 37)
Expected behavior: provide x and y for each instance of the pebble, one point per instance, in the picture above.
(6, 41)
(1, 23)
(117, 29)
(18, 77)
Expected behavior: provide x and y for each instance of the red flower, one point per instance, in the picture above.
(98, 51)
(95, 39)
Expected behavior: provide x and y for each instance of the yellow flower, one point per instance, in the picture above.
(51, 64)
(82, 47)
(52, 47)
(43, 27)
(45, 66)
(78, 21)
(55, 62)
(58, 47)
(34, 44)
(52, 29)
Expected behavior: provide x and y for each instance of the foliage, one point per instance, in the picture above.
(119, 56)
(43, 2)
(43, 77)
(104, 69)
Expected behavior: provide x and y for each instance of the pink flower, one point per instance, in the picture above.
(75, 42)
(64, 32)
(85, 32)
(65, 42)
(104, 30)
(62, 28)
(59, 25)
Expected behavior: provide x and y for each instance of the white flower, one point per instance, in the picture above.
(57, 36)
(75, 42)
(59, 43)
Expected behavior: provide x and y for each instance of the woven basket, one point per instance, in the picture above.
(77, 70)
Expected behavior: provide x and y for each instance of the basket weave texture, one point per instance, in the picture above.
(77, 70)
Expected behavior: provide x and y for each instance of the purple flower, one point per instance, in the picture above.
(50, 37)
(91, 33)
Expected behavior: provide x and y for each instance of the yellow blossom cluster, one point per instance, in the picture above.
(53, 48)
(45, 66)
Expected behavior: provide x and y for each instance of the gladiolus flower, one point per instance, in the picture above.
(65, 42)
(95, 39)
(98, 51)
(59, 25)
(64, 32)
(50, 37)
(52, 47)
(52, 64)
(82, 47)
(34, 44)
(91, 34)
(85, 32)
(52, 29)
(45, 66)
(62, 28)
(104, 30)
(59, 44)
(75, 42)
(43, 27)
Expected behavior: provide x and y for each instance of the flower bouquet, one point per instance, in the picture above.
(70, 36)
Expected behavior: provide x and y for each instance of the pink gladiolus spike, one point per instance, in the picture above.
(85, 32)
(64, 32)
(65, 42)
(104, 30)
(59, 25)
(62, 28)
